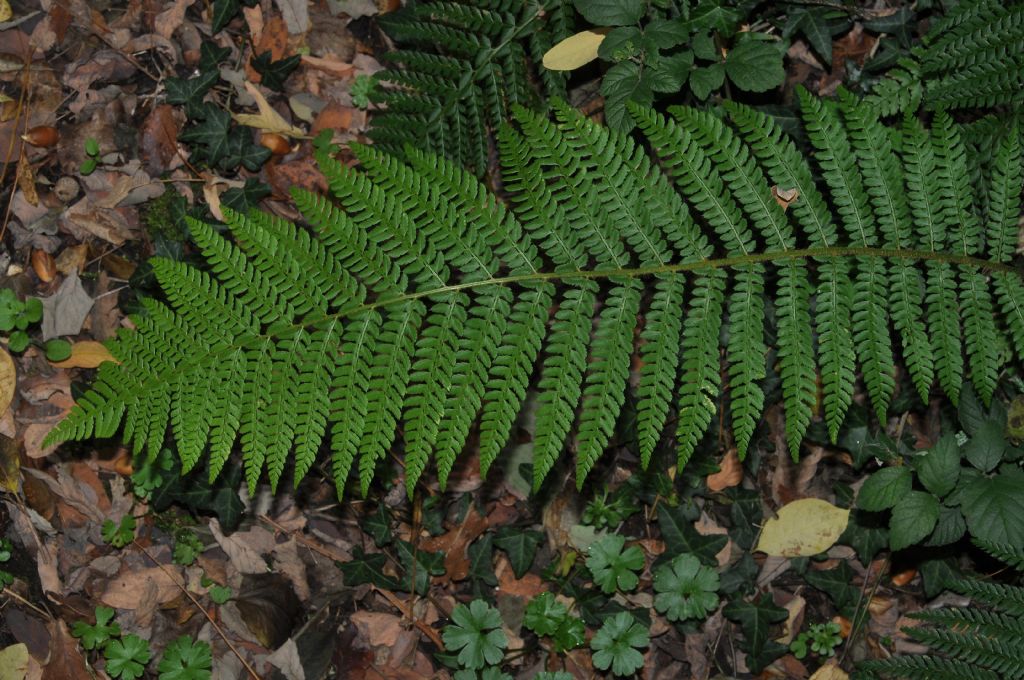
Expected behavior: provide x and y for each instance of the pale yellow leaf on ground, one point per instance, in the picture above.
(5, 11)
(14, 662)
(267, 119)
(573, 52)
(804, 527)
(830, 671)
(86, 354)
(8, 377)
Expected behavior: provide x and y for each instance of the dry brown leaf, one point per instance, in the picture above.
(8, 379)
(267, 119)
(455, 542)
(73, 259)
(27, 179)
(64, 312)
(66, 661)
(245, 549)
(730, 473)
(126, 590)
(86, 354)
(287, 562)
(784, 197)
(168, 21)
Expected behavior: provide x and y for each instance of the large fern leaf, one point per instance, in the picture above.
(420, 303)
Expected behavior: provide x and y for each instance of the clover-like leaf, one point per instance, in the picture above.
(186, 659)
(121, 534)
(544, 613)
(686, 589)
(617, 643)
(476, 633)
(127, 657)
(614, 568)
(95, 636)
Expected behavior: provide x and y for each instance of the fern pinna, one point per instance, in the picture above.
(972, 57)
(460, 65)
(422, 299)
(982, 641)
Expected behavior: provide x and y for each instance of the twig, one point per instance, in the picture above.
(201, 608)
(14, 596)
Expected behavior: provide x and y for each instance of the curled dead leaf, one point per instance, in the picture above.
(784, 197)
(44, 266)
(902, 578)
(730, 472)
(277, 144)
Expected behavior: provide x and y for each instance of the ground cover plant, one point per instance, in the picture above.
(485, 339)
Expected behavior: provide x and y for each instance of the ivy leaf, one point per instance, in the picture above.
(756, 619)
(94, 636)
(610, 12)
(544, 614)
(938, 468)
(274, 73)
(191, 91)
(240, 150)
(427, 564)
(210, 56)
(686, 589)
(378, 524)
(476, 633)
(127, 657)
(837, 583)
(707, 79)
(211, 135)
(755, 65)
(994, 506)
(223, 12)
(521, 547)
(481, 561)
(617, 643)
(680, 536)
(366, 568)
(913, 518)
(814, 24)
(614, 568)
(185, 659)
(884, 488)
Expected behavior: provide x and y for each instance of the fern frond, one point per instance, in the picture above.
(420, 303)
(927, 667)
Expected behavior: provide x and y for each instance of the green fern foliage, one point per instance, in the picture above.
(420, 303)
(972, 57)
(980, 641)
(460, 66)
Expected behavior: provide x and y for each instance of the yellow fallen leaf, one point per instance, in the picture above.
(804, 527)
(5, 11)
(86, 354)
(575, 51)
(830, 672)
(267, 119)
(14, 661)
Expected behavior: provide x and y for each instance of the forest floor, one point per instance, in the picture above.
(300, 586)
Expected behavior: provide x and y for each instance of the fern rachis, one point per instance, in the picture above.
(425, 302)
